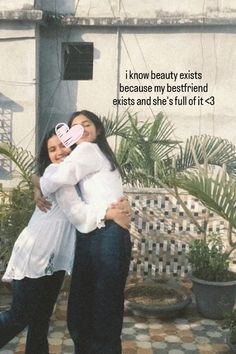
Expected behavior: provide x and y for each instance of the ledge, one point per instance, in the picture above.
(159, 21)
(151, 191)
(148, 22)
(21, 15)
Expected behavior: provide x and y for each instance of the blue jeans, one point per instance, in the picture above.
(32, 306)
(96, 300)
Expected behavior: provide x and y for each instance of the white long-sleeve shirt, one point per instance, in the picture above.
(89, 166)
(47, 243)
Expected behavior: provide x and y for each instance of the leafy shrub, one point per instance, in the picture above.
(209, 259)
(15, 211)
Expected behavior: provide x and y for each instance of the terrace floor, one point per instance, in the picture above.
(187, 334)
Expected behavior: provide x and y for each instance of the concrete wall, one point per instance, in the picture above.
(208, 50)
(59, 98)
(181, 51)
(18, 85)
(6, 5)
(134, 8)
(62, 6)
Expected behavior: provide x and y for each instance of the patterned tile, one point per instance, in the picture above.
(189, 334)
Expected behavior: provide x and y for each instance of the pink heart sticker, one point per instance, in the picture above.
(68, 136)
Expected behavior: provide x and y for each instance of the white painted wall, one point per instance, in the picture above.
(58, 98)
(16, 4)
(139, 8)
(18, 81)
(212, 53)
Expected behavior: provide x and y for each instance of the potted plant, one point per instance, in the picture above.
(214, 285)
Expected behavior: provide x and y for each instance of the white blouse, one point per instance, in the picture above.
(47, 244)
(87, 165)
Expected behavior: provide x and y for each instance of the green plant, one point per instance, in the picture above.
(15, 211)
(204, 166)
(16, 205)
(23, 163)
(144, 147)
(209, 259)
(210, 177)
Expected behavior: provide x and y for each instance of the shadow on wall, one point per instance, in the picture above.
(57, 96)
(7, 109)
(63, 6)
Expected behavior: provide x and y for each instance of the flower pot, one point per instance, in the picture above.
(214, 300)
(170, 303)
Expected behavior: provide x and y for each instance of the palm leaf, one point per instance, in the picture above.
(22, 159)
(147, 145)
(130, 159)
(216, 193)
(216, 150)
(116, 126)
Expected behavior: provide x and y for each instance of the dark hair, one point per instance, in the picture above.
(43, 160)
(101, 139)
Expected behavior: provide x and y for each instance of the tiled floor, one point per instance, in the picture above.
(187, 334)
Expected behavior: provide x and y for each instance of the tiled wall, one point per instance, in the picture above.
(161, 231)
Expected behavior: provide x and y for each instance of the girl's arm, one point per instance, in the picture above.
(87, 217)
(85, 159)
(42, 203)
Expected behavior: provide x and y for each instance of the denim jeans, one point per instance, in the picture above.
(96, 300)
(32, 306)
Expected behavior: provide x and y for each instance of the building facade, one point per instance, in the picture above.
(19, 40)
(113, 55)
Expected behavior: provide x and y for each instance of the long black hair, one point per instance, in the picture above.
(101, 139)
(43, 160)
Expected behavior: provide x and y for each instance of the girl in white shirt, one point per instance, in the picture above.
(42, 254)
(95, 309)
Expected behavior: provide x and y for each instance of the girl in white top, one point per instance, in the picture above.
(42, 254)
(95, 311)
